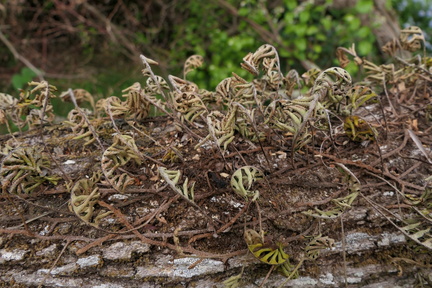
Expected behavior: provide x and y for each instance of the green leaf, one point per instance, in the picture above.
(291, 5)
(28, 73)
(326, 22)
(244, 11)
(304, 16)
(301, 44)
(311, 30)
(352, 22)
(21, 79)
(364, 6)
(364, 47)
(317, 49)
(300, 30)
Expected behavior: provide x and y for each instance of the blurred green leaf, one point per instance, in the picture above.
(20, 80)
(364, 47)
(364, 6)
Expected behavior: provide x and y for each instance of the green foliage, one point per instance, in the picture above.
(19, 81)
(418, 13)
(301, 30)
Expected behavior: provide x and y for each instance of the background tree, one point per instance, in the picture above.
(96, 45)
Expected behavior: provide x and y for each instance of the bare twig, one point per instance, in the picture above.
(21, 58)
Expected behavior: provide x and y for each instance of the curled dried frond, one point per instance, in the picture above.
(45, 91)
(310, 76)
(186, 99)
(192, 63)
(25, 169)
(333, 83)
(224, 89)
(189, 105)
(81, 95)
(358, 129)
(138, 106)
(121, 152)
(221, 127)
(359, 96)
(343, 58)
(115, 107)
(243, 179)
(80, 126)
(412, 38)
(318, 243)
(35, 104)
(391, 47)
(8, 108)
(249, 64)
(182, 85)
(83, 202)
(291, 81)
(342, 204)
(172, 177)
(156, 86)
(269, 253)
(247, 125)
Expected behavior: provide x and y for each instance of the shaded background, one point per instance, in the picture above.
(96, 45)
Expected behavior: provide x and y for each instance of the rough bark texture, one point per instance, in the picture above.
(373, 254)
(329, 189)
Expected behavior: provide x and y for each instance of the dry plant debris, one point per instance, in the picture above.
(257, 165)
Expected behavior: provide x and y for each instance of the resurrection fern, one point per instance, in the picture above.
(318, 243)
(192, 63)
(186, 100)
(81, 96)
(8, 110)
(221, 127)
(356, 97)
(280, 112)
(341, 205)
(31, 108)
(138, 106)
(410, 39)
(265, 252)
(35, 103)
(358, 129)
(24, 169)
(269, 253)
(84, 197)
(247, 126)
(172, 177)
(185, 190)
(328, 90)
(419, 227)
(233, 281)
(113, 106)
(243, 179)
(404, 73)
(79, 125)
(120, 153)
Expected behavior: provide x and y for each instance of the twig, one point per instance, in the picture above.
(21, 58)
(122, 218)
(394, 151)
(54, 263)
